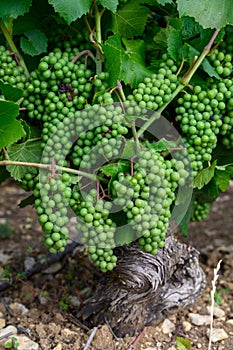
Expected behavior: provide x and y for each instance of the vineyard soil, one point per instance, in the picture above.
(53, 296)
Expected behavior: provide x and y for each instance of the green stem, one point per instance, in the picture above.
(135, 135)
(13, 47)
(49, 167)
(187, 77)
(99, 58)
(158, 113)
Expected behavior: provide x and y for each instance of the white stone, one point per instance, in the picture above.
(26, 343)
(217, 312)
(199, 345)
(167, 326)
(58, 347)
(53, 268)
(217, 335)
(2, 323)
(74, 301)
(200, 320)
(18, 308)
(230, 321)
(7, 332)
(4, 258)
(187, 326)
(29, 262)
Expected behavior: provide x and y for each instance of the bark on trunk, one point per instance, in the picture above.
(143, 289)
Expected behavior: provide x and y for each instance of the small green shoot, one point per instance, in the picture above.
(12, 343)
(183, 343)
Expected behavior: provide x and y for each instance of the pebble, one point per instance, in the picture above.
(230, 322)
(58, 347)
(2, 323)
(199, 320)
(219, 313)
(18, 308)
(218, 334)
(26, 343)
(74, 301)
(8, 330)
(4, 258)
(29, 262)
(187, 326)
(167, 326)
(53, 268)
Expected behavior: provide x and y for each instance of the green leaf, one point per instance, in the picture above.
(175, 45)
(109, 4)
(10, 92)
(35, 42)
(129, 66)
(184, 224)
(210, 14)
(13, 9)
(129, 150)
(190, 27)
(161, 38)
(162, 145)
(112, 49)
(113, 169)
(124, 235)
(29, 152)
(204, 176)
(223, 176)
(133, 69)
(70, 10)
(129, 20)
(183, 344)
(11, 129)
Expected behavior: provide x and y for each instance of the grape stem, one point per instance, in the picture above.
(13, 47)
(52, 167)
(84, 52)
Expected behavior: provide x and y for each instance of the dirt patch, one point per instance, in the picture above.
(53, 296)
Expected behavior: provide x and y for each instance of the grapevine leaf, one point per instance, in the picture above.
(174, 45)
(10, 92)
(124, 235)
(29, 152)
(133, 68)
(183, 344)
(70, 10)
(11, 129)
(208, 14)
(161, 38)
(223, 176)
(35, 42)
(13, 9)
(112, 49)
(130, 20)
(190, 28)
(129, 150)
(113, 169)
(204, 176)
(129, 65)
(162, 145)
(109, 4)
(185, 221)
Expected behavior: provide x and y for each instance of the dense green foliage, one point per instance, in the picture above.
(117, 113)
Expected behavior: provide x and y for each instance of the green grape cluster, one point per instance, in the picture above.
(58, 87)
(96, 227)
(52, 201)
(200, 118)
(200, 210)
(10, 71)
(29, 180)
(222, 62)
(155, 91)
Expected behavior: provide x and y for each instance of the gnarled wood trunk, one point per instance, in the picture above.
(143, 289)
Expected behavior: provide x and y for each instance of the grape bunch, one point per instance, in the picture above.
(52, 195)
(29, 180)
(156, 91)
(200, 210)
(10, 71)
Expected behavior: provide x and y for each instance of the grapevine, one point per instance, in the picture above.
(119, 148)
